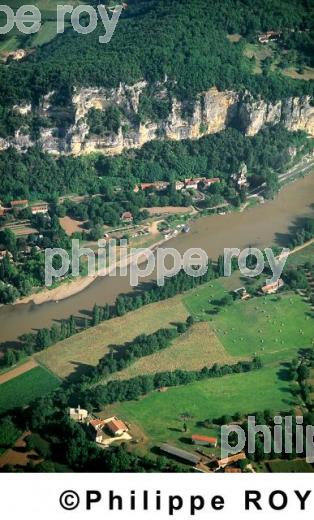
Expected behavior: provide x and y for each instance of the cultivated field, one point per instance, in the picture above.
(160, 413)
(70, 225)
(289, 466)
(85, 349)
(193, 350)
(17, 371)
(26, 387)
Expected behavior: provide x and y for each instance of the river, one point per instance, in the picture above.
(259, 226)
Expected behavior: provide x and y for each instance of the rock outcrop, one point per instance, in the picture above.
(293, 113)
(212, 112)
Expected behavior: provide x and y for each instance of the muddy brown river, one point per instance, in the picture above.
(260, 226)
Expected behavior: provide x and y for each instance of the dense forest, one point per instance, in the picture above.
(35, 175)
(184, 41)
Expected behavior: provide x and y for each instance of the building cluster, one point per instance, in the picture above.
(202, 461)
(103, 431)
(18, 205)
(191, 183)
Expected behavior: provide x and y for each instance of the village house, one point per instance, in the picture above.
(208, 182)
(39, 207)
(19, 204)
(127, 216)
(179, 185)
(96, 429)
(191, 184)
(202, 440)
(78, 414)
(158, 185)
(273, 287)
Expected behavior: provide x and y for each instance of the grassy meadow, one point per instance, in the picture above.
(160, 414)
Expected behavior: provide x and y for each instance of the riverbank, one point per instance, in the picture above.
(263, 225)
(74, 286)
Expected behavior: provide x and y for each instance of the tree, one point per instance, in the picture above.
(8, 432)
(96, 315)
(10, 358)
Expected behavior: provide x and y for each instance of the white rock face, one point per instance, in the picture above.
(212, 112)
(293, 113)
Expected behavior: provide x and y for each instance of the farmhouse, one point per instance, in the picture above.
(116, 427)
(182, 455)
(202, 440)
(273, 287)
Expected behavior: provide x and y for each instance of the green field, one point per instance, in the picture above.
(266, 325)
(158, 414)
(263, 325)
(26, 387)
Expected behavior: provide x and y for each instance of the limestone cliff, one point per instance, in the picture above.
(211, 112)
(293, 113)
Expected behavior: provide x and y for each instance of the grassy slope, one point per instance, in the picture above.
(26, 387)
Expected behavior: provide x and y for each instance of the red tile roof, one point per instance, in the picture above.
(115, 425)
(18, 202)
(211, 440)
(96, 422)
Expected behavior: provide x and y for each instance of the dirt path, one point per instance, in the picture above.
(303, 246)
(11, 374)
